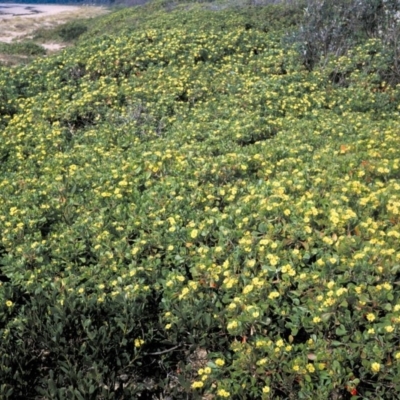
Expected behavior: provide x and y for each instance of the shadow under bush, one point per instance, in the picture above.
(79, 347)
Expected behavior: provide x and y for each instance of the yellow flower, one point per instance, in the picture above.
(330, 284)
(207, 370)
(251, 263)
(220, 362)
(185, 291)
(397, 355)
(139, 343)
(310, 368)
(273, 295)
(194, 233)
(316, 320)
(375, 367)
(223, 393)
(247, 289)
(389, 329)
(232, 325)
(197, 384)
(371, 317)
(266, 389)
(9, 303)
(296, 368)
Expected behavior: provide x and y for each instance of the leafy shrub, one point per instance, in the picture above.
(67, 32)
(190, 213)
(72, 30)
(27, 48)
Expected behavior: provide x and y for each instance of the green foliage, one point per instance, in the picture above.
(186, 211)
(68, 32)
(27, 48)
(71, 31)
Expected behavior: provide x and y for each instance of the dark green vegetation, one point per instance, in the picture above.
(25, 48)
(17, 53)
(68, 32)
(190, 208)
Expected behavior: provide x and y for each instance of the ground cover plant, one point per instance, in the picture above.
(188, 211)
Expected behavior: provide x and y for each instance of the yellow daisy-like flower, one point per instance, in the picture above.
(197, 384)
(223, 393)
(232, 325)
(139, 343)
(220, 362)
(273, 295)
(371, 317)
(9, 303)
(266, 389)
(375, 367)
(194, 233)
(310, 368)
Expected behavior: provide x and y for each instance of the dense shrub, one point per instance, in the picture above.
(188, 212)
(72, 30)
(67, 32)
(27, 48)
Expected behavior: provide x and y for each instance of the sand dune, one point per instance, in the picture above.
(18, 21)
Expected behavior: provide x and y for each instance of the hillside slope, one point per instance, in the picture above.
(187, 211)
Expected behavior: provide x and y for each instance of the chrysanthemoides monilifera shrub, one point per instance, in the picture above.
(189, 212)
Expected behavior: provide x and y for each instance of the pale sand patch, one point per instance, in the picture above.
(53, 46)
(18, 21)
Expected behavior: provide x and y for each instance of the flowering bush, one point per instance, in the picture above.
(190, 212)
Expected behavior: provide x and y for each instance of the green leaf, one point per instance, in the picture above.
(341, 330)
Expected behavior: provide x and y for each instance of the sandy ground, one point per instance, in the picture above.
(31, 10)
(19, 21)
